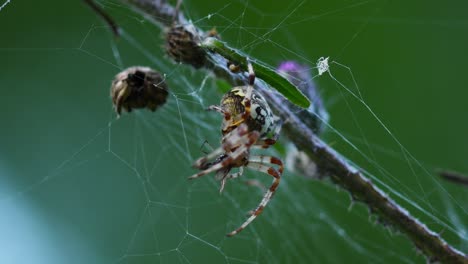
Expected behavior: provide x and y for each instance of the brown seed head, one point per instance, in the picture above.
(138, 87)
(182, 44)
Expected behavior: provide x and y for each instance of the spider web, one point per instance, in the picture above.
(80, 186)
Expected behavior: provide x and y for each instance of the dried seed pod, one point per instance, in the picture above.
(182, 44)
(138, 87)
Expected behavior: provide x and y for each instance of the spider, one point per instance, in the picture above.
(248, 123)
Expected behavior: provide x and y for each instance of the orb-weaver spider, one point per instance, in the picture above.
(248, 123)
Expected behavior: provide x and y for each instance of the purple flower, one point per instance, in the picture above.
(299, 75)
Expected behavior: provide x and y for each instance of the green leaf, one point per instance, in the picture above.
(275, 80)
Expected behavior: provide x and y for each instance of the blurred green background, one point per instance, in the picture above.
(78, 185)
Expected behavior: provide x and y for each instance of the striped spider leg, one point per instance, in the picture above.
(235, 152)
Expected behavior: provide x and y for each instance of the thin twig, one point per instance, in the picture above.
(105, 16)
(454, 177)
(329, 162)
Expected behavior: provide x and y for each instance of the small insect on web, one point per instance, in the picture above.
(248, 123)
(322, 65)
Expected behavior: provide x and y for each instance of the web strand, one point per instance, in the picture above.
(164, 218)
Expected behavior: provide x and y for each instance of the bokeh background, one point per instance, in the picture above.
(78, 185)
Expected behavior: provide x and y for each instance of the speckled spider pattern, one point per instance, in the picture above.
(248, 123)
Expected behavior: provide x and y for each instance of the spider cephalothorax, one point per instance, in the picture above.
(248, 123)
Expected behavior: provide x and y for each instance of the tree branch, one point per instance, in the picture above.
(328, 161)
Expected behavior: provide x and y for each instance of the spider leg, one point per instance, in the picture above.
(251, 182)
(251, 73)
(201, 162)
(217, 108)
(230, 176)
(234, 155)
(234, 139)
(248, 95)
(262, 159)
(221, 175)
(244, 141)
(259, 163)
